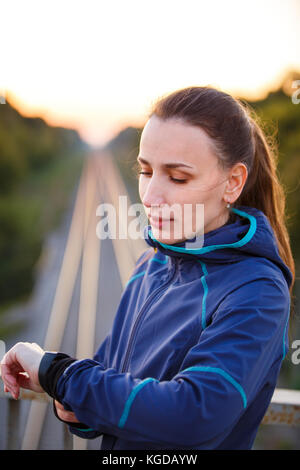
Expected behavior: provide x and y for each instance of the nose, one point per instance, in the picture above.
(153, 193)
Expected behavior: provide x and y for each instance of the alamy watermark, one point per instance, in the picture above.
(296, 94)
(295, 358)
(168, 222)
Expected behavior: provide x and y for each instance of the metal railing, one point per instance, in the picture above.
(284, 409)
(83, 245)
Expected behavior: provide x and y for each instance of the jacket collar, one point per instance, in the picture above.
(249, 235)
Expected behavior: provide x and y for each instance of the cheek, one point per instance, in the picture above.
(193, 208)
(142, 188)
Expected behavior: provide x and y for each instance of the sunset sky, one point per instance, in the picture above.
(97, 66)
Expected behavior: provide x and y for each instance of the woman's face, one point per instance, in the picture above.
(178, 167)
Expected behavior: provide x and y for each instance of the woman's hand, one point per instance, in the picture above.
(20, 366)
(64, 414)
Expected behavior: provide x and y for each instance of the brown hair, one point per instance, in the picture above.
(238, 137)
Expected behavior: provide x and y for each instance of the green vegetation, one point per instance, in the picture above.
(39, 167)
(282, 116)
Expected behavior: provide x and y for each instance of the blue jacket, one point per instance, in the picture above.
(196, 347)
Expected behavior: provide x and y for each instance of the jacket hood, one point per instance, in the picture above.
(250, 235)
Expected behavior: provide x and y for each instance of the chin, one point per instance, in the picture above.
(164, 237)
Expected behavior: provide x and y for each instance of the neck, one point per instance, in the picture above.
(219, 221)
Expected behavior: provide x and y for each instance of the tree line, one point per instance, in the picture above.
(34, 157)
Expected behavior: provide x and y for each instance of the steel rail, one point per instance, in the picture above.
(89, 279)
(60, 310)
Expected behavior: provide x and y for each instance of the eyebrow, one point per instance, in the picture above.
(167, 165)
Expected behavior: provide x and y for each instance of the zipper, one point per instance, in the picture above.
(138, 320)
(148, 302)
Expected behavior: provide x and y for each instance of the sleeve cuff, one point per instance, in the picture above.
(52, 366)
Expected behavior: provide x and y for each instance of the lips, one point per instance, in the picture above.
(159, 221)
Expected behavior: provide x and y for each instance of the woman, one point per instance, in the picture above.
(199, 337)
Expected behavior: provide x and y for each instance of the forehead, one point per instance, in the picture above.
(171, 139)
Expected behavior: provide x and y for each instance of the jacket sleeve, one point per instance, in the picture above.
(101, 356)
(85, 431)
(219, 378)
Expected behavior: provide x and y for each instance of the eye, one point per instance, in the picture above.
(139, 171)
(178, 181)
(175, 180)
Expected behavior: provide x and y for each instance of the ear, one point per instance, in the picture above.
(236, 180)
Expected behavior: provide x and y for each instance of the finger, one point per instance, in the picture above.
(9, 390)
(10, 367)
(9, 357)
(64, 414)
(59, 406)
(67, 416)
(14, 391)
(9, 371)
(9, 379)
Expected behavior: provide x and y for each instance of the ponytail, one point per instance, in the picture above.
(264, 191)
